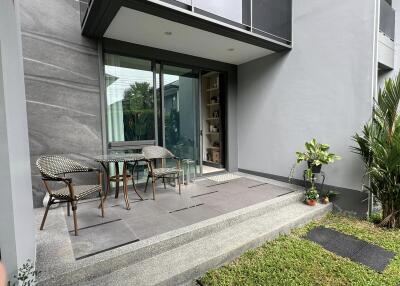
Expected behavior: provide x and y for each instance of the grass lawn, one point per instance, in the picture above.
(292, 260)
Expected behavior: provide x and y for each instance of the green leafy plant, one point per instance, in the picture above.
(375, 218)
(316, 154)
(312, 193)
(27, 274)
(379, 147)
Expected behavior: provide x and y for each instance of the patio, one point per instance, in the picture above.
(146, 223)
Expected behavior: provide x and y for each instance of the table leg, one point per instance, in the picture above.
(107, 171)
(116, 179)
(133, 181)
(125, 187)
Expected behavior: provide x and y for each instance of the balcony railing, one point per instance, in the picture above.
(387, 20)
(268, 18)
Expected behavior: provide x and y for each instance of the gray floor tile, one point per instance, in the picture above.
(336, 242)
(348, 246)
(91, 241)
(89, 215)
(374, 257)
(151, 224)
(196, 214)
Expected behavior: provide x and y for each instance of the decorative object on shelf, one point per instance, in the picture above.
(214, 99)
(215, 156)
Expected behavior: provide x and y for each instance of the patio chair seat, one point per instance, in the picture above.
(53, 168)
(154, 153)
(79, 191)
(159, 172)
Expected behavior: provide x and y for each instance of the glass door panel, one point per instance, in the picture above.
(181, 115)
(130, 99)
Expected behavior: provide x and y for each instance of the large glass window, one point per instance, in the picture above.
(130, 99)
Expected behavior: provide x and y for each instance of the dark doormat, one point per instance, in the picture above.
(353, 248)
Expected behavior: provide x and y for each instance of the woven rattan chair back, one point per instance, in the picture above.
(157, 152)
(53, 166)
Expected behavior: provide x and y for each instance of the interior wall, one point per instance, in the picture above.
(321, 89)
(17, 233)
(62, 84)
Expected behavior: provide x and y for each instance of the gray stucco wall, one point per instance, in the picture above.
(62, 83)
(17, 233)
(322, 88)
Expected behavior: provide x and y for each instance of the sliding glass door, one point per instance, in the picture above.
(151, 102)
(181, 115)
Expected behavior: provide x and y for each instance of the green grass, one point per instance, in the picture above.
(292, 260)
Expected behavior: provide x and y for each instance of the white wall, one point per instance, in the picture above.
(17, 234)
(322, 89)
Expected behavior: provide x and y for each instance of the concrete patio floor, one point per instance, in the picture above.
(207, 198)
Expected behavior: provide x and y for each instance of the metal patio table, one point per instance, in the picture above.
(107, 159)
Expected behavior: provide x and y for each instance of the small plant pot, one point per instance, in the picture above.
(311, 202)
(314, 169)
(325, 200)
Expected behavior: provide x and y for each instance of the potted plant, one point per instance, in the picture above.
(316, 155)
(312, 196)
(328, 197)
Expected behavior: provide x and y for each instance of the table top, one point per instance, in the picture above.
(128, 157)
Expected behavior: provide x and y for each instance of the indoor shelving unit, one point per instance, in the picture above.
(212, 123)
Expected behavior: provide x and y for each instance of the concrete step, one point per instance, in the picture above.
(134, 254)
(183, 264)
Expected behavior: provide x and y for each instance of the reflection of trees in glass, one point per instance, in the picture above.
(138, 112)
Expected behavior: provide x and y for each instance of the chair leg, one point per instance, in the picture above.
(101, 203)
(74, 207)
(49, 203)
(179, 183)
(145, 188)
(116, 179)
(153, 183)
(134, 188)
(68, 209)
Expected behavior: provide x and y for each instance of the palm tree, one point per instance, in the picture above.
(379, 146)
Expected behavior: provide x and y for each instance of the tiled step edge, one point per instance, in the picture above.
(116, 259)
(180, 266)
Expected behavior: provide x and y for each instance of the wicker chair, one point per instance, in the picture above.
(54, 168)
(153, 153)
